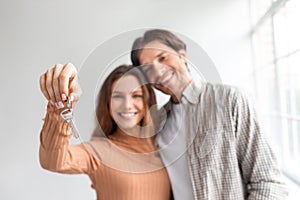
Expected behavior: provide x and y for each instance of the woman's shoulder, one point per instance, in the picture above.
(98, 146)
(113, 156)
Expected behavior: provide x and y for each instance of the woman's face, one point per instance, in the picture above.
(127, 105)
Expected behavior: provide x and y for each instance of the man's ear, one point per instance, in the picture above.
(182, 55)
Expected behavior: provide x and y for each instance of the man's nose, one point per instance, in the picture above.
(156, 72)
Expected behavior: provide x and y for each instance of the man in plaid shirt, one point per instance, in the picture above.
(211, 141)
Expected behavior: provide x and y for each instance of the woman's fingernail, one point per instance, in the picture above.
(64, 97)
(59, 105)
(56, 105)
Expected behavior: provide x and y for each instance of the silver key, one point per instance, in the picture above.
(67, 115)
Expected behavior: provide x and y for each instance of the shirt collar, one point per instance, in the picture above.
(192, 92)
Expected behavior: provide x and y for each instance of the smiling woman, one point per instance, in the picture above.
(123, 165)
(128, 100)
(127, 107)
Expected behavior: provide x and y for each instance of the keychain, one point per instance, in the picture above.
(67, 115)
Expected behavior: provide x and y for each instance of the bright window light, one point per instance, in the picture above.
(276, 43)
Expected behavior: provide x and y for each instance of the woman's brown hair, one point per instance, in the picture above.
(107, 124)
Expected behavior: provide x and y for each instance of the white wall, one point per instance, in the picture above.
(36, 34)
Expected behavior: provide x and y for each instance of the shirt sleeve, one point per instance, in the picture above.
(55, 152)
(257, 160)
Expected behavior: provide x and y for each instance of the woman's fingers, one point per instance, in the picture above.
(59, 82)
(49, 85)
(75, 91)
(67, 76)
(43, 86)
(57, 70)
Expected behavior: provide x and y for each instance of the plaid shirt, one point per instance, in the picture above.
(228, 156)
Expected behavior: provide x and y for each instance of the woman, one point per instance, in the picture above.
(123, 165)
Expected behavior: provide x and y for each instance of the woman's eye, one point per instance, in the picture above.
(137, 96)
(116, 96)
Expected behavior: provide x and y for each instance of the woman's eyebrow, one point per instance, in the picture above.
(118, 92)
(137, 90)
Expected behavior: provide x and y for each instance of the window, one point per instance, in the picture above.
(276, 47)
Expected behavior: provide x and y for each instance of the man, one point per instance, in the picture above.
(211, 142)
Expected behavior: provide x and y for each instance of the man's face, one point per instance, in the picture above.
(165, 68)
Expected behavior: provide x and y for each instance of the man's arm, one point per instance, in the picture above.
(256, 158)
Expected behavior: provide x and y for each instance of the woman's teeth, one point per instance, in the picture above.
(128, 114)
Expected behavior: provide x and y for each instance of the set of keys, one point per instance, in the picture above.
(67, 115)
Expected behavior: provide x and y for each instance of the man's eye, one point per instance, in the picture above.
(163, 58)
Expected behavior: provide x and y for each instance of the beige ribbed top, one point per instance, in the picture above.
(120, 168)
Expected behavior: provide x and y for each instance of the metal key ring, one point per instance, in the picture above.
(66, 114)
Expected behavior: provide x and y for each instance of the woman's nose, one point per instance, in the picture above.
(128, 103)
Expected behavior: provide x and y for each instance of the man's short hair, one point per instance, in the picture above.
(163, 36)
